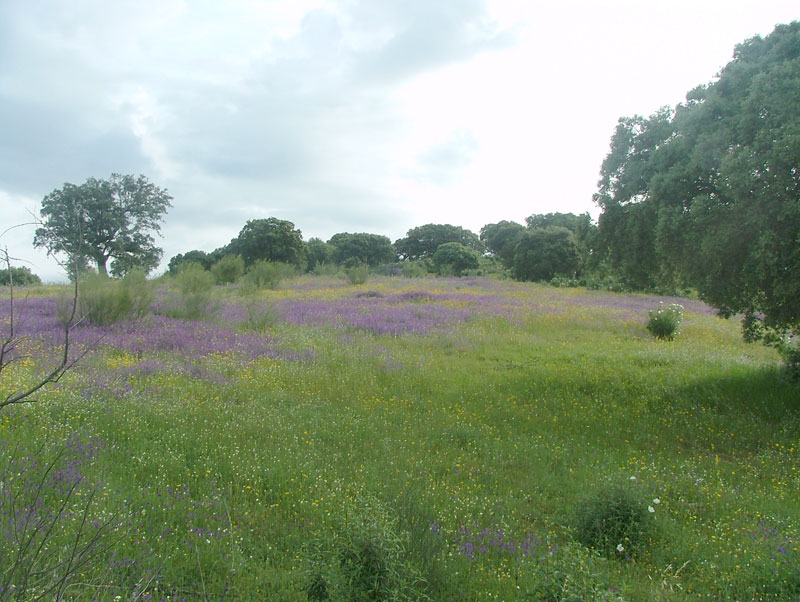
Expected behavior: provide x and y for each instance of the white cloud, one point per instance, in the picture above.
(345, 115)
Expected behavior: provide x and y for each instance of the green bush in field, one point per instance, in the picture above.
(104, 301)
(613, 522)
(267, 274)
(194, 301)
(357, 274)
(228, 269)
(664, 322)
(363, 559)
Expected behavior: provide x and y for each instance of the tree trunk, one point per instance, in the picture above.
(101, 266)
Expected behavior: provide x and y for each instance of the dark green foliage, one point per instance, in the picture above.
(453, 258)
(318, 253)
(200, 257)
(105, 220)
(269, 239)
(708, 194)
(613, 522)
(354, 249)
(104, 301)
(421, 242)
(501, 239)
(228, 269)
(546, 252)
(22, 276)
(664, 322)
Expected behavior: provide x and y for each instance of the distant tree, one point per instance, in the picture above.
(501, 239)
(270, 239)
(361, 248)
(20, 276)
(318, 253)
(105, 220)
(708, 194)
(200, 257)
(421, 242)
(543, 253)
(454, 258)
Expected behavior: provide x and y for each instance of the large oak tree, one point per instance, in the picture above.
(708, 194)
(105, 220)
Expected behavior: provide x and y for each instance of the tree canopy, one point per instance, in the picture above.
(454, 258)
(271, 239)
(542, 253)
(501, 239)
(105, 220)
(421, 242)
(708, 194)
(361, 248)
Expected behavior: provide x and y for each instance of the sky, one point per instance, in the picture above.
(340, 115)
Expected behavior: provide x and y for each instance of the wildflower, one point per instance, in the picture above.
(651, 509)
(620, 548)
(656, 501)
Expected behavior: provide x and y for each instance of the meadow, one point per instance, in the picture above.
(405, 439)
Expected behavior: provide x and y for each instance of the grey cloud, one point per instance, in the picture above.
(441, 163)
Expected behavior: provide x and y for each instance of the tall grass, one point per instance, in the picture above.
(450, 462)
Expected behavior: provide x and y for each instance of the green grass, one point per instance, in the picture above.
(498, 423)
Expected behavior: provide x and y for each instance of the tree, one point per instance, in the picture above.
(105, 220)
(270, 239)
(204, 259)
(421, 242)
(543, 253)
(501, 239)
(18, 276)
(454, 258)
(354, 249)
(318, 253)
(711, 190)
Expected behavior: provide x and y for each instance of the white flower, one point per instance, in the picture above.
(651, 509)
(656, 501)
(633, 478)
(620, 548)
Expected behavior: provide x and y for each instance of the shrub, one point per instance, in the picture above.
(357, 274)
(363, 559)
(664, 322)
(414, 269)
(194, 301)
(228, 269)
(267, 274)
(104, 301)
(613, 522)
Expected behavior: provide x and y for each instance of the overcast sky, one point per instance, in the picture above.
(341, 115)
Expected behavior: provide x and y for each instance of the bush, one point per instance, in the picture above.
(357, 274)
(194, 301)
(104, 301)
(613, 522)
(664, 322)
(228, 269)
(267, 274)
(363, 559)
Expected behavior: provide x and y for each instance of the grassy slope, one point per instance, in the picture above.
(500, 423)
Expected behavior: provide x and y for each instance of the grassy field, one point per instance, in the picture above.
(442, 439)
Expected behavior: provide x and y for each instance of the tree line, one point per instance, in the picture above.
(702, 196)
